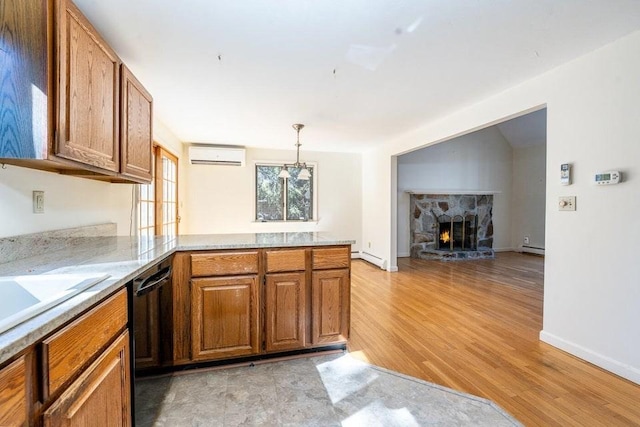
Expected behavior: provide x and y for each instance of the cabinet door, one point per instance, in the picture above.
(285, 311)
(224, 317)
(23, 79)
(100, 396)
(330, 306)
(13, 394)
(135, 129)
(146, 330)
(88, 74)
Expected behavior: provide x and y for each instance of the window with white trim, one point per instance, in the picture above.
(284, 199)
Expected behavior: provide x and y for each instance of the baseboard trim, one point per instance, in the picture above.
(622, 369)
(373, 259)
(404, 255)
(532, 250)
(503, 249)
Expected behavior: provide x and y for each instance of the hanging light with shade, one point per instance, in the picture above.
(304, 173)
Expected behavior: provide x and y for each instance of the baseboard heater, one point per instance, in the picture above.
(373, 259)
(533, 250)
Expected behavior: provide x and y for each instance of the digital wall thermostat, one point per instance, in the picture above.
(565, 174)
(607, 178)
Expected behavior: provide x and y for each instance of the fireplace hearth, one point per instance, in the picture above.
(451, 226)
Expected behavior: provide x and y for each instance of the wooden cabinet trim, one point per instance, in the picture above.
(331, 258)
(224, 263)
(285, 260)
(72, 347)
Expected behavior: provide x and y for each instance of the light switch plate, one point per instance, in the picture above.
(567, 203)
(38, 202)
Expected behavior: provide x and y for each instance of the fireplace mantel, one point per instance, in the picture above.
(454, 192)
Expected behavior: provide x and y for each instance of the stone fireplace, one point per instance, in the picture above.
(451, 226)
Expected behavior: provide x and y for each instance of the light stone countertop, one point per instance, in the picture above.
(122, 258)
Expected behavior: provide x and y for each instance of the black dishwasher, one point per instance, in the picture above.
(145, 323)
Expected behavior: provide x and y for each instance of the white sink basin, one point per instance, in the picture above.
(23, 297)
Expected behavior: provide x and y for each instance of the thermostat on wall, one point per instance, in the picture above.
(607, 178)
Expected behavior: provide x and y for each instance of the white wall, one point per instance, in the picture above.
(528, 195)
(478, 161)
(221, 199)
(69, 201)
(592, 296)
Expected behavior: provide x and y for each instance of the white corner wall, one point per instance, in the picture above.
(592, 296)
(480, 161)
(528, 198)
(221, 199)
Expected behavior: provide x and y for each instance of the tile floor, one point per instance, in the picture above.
(330, 390)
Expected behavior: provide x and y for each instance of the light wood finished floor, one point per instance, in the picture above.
(473, 326)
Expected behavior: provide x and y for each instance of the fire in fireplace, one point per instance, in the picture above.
(457, 233)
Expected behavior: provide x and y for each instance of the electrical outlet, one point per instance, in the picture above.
(526, 240)
(38, 202)
(567, 203)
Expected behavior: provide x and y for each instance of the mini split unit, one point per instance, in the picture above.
(216, 155)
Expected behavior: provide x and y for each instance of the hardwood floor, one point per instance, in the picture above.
(473, 326)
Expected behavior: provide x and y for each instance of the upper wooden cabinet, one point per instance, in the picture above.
(88, 93)
(65, 107)
(136, 134)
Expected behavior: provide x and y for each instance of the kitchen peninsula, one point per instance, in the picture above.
(229, 297)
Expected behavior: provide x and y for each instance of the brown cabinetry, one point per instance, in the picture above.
(330, 306)
(88, 95)
(13, 394)
(233, 303)
(225, 305)
(136, 134)
(224, 317)
(285, 311)
(100, 396)
(77, 376)
(61, 88)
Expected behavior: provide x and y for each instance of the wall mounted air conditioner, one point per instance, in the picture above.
(214, 155)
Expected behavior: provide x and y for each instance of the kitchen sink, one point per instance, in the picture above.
(23, 297)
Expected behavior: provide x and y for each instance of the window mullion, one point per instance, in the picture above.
(285, 187)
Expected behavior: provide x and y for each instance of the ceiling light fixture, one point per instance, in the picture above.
(304, 173)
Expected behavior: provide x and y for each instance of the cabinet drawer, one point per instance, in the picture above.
(224, 263)
(331, 258)
(68, 350)
(291, 260)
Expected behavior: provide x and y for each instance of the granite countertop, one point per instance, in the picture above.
(122, 258)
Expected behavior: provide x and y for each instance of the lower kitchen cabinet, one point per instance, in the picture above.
(13, 394)
(330, 306)
(285, 311)
(224, 317)
(100, 396)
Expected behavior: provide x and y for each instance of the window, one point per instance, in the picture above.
(284, 199)
(157, 202)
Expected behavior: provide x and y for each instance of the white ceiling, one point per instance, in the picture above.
(356, 72)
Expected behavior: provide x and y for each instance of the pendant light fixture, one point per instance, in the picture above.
(304, 173)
